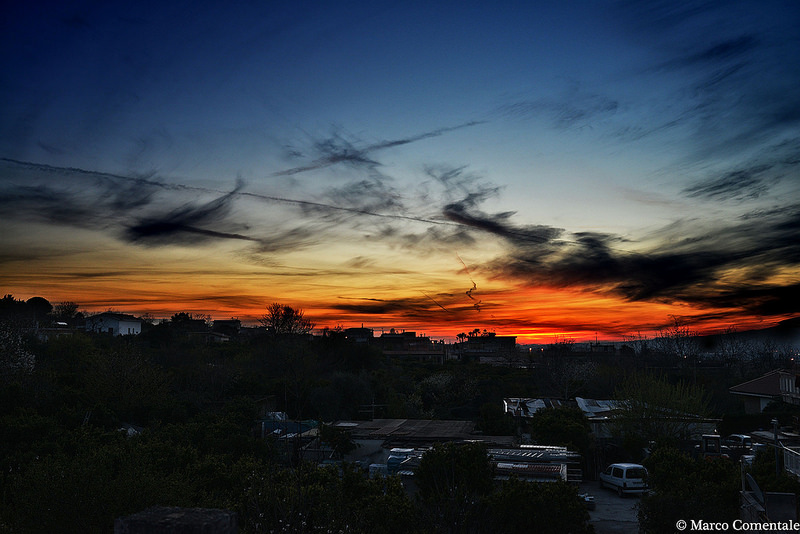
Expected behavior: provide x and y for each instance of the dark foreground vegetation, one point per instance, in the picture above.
(104, 427)
(95, 427)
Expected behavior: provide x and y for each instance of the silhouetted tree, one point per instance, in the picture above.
(40, 307)
(653, 409)
(543, 507)
(688, 488)
(338, 439)
(564, 426)
(183, 320)
(678, 340)
(453, 481)
(65, 312)
(285, 320)
(493, 421)
(569, 375)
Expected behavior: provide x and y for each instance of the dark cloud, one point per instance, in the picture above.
(131, 195)
(762, 300)
(111, 201)
(190, 223)
(662, 15)
(441, 307)
(499, 225)
(462, 197)
(234, 301)
(115, 197)
(693, 269)
(370, 306)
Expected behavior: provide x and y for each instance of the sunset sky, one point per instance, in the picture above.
(538, 169)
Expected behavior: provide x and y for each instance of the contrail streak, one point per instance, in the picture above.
(359, 156)
(258, 196)
(434, 301)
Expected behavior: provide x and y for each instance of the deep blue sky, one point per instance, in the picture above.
(639, 153)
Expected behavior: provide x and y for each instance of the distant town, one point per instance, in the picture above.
(283, 426)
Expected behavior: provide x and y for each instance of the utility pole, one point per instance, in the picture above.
(370, 408)
(777, 455)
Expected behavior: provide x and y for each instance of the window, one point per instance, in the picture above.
(635, 472)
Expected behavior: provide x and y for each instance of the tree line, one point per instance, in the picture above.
(93, 427)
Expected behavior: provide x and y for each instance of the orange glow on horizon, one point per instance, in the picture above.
(400, 299)
(533, 315)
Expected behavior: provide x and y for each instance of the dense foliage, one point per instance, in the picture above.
(95, 427)
(564, 426)
(686, 487)
(551, 506)
(654, 409)
(457, 494)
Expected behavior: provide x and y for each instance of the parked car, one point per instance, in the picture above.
(625, 478)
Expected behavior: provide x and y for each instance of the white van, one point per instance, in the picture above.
(625, 478)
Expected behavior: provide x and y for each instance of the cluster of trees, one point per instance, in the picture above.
(686, 487)
(690, 487)
(95, 427)
(66, 466)
(457, 494)
(79, 480)
(37, 310)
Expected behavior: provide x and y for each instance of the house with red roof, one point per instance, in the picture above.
(776, 385)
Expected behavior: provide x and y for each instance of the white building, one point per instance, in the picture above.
(117, 324)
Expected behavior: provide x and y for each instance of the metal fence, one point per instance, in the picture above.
(791, 461)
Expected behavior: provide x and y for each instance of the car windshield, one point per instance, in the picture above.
(636, 472)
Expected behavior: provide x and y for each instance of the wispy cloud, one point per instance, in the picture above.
(739, 184)
(723, 51)
(574, 108)
(736, 92)
(337, 149)
(772, 164)
(694, 268)
(136, 208)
